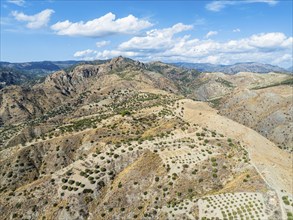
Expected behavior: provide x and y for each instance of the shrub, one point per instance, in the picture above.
(71, 182)
(214, 164)
(64, 187)
(87, 191)
(125, 113)
(194, 171)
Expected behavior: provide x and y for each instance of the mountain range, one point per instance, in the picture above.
(41, 67)
(122, 139)
(235, 68)
(17, 73)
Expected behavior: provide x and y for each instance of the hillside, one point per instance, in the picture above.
(120, 140)
(42, 67)
(261, 102)
(233, 69)
(10, 76)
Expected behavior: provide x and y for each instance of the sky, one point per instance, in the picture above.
(218, 32)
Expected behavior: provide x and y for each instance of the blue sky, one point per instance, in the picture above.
(221, 32)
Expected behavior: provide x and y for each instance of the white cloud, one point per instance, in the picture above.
(85, 53)
(164, 45)
(211, 33)
(17, 2)
(34, 21)
(106, 54)
(236, 30)
(155, 39)
(286, 58)
(219, 5)
(102, 43)
(103, 26)
(270, 41)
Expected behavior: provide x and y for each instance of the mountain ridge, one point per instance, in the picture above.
(234, 68)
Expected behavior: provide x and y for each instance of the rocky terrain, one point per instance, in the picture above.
(10, 76)
(235, 68)
(262, 102)
(126, 140)
(41, 67)
(30, 72)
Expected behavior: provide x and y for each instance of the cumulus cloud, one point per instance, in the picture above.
(155, 39)
(270, 41)
(34, 21)
(89, 54)
(103, 26)
(165, 45)
(219, 5)
(102, 43)
(106, 54)
(286, 58)
(17, 2)
(211, 33)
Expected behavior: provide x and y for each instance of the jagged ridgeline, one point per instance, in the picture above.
(120, 139)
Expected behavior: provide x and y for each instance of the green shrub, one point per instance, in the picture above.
(71, 182)
(87, 191)
(125, 113)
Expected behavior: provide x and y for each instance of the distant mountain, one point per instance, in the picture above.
(42, 67)
(20, 73)
(9, 76)
(233, 69)
(290, 69)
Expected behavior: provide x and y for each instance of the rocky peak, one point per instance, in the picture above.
(120, 62)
